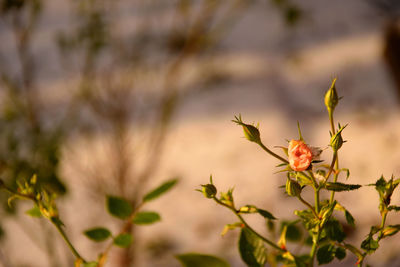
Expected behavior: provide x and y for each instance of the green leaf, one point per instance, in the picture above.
(325, 254)
(293, 232)
(303, 179)
(251, 248)
(390, 230)
(370, 244)
(338, 187)
(146, 217)
(349, 218)
(98, 234)
(340, 253)
(118, 207)
(34, 212)
(334, 230)
(123, 240)
(201, 260)
(393, 207)
(302, 260)
(253, 209)
(308, 219)
(155, 193)
(380, 185)
(248, 209)
(232, 226)
(347, 172)
(266, 214)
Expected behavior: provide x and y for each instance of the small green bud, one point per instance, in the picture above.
(250, 132)
(331, 97)
(209, 190)
(337, 140)
(293, 188)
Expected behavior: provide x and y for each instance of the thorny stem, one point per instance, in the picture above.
(272, 153)
(269, 242)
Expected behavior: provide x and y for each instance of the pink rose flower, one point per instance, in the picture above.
(300, 155)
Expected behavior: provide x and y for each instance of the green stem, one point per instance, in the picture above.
(335, 177)
(317, 209)
(331, 166)
(269, 242)
(332, 122)
(65, 237)
(336, 155)
(316, 191)
(382, 224)
(314, 247)
(272, 153)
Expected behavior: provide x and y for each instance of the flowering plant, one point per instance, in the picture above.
(326, 236)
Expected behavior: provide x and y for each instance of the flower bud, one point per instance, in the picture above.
(331, 97)
(293, 188)
(300, 155)
(209, 190)
(337, 140)
(250, 132)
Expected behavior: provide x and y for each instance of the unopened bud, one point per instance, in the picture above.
(337, 140)
(209, 190)
(331, 97)
(250, 132)
(293, 188)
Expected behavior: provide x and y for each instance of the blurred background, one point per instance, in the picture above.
(114, 96)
